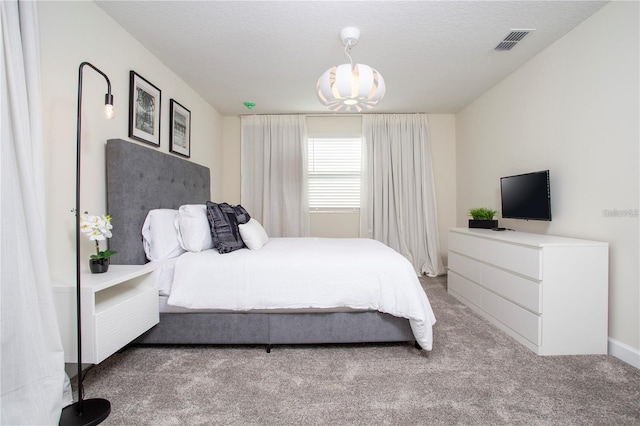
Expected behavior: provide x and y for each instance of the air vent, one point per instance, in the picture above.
(513, 38)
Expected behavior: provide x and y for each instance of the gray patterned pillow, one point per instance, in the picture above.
(224, 220)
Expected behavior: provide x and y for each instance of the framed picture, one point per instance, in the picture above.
(144, 110)
(179, 129)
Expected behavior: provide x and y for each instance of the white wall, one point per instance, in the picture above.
(73, 32)
(231, 160)
(341, 225)
(573, 109)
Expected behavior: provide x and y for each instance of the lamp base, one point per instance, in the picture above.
(94, 411)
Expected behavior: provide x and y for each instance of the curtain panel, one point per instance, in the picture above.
(35, 386)
(274, 173)
(398, 192)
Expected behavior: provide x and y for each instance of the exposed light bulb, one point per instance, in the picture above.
(109, 112)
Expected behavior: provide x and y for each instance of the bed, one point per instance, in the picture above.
(141, 179)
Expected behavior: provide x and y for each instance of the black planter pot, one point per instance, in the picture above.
(485, 224)
(98, 266)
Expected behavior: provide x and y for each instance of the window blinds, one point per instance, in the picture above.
(334, 173)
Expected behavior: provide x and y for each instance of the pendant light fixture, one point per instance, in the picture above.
(349, 87)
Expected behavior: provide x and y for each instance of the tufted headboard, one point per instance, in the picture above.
(140, 179)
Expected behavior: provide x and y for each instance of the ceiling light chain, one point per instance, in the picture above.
(349, 87)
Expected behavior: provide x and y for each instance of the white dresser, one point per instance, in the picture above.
(549, 293)
(117, 306)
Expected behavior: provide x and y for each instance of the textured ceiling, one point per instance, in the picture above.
(435, 56)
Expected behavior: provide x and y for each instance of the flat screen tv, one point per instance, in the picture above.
(526, 196)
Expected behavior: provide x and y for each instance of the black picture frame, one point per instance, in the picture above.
(145, 101)
(179, 129)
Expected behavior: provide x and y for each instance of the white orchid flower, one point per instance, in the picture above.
(96, 234)
(97, 228)
(105, 232)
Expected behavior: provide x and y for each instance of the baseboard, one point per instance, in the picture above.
(624, 352)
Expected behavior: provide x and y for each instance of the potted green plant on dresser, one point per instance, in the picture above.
(482, 218)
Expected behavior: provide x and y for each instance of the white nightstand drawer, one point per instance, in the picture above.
(117, 306)
(121, 323)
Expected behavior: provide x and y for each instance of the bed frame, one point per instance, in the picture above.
(140, 179)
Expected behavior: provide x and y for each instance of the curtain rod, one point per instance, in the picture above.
(312, 115)
(317, 114)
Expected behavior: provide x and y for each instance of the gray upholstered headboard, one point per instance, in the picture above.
(140, 179)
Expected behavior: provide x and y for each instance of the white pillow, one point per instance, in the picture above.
(253, 234)
(159, 236)
(192, 225)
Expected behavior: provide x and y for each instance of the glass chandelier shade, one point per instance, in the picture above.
(347, 88)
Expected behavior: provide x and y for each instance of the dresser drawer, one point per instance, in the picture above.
(520, 259)
(523, 322)
(464, 287)
(519, 290)
(516, 318)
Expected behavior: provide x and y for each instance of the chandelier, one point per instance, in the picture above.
(349, 87)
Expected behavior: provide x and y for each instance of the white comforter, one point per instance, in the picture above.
(294, 273)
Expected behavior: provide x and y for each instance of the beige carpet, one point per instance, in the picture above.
(475, 375)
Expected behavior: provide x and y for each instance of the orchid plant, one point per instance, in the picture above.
(97, 228)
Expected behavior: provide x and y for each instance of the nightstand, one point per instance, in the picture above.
(117, 306)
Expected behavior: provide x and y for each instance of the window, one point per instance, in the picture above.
(334, 173)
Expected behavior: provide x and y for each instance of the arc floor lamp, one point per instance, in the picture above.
(84, 411)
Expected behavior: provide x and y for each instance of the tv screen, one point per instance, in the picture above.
(526, 196)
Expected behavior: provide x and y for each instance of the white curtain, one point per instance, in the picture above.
(34, 384)
(398, 193)
(274, 173)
